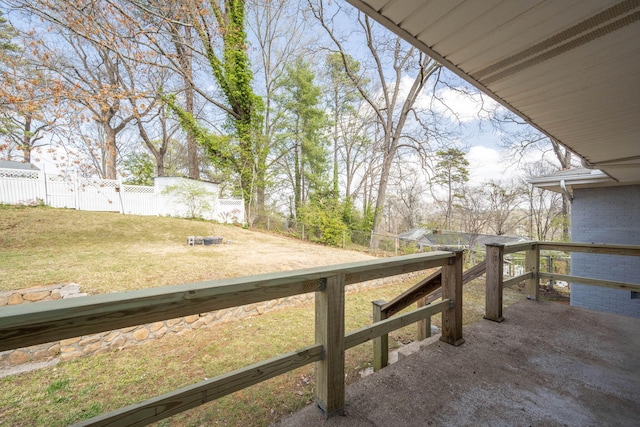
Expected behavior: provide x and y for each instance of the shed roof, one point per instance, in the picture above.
(10, 164)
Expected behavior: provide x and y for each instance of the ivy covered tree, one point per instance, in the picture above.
(220, 27)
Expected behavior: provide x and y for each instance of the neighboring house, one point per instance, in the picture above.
(10, 164)
(439, 240)
(603, 211)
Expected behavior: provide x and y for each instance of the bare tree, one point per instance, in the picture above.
(520, 139)
(546, 219)
(393, 104)
(472, 209)
(407, 201)
(504, 201)
(279, 29)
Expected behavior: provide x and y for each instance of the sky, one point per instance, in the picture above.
(478, 136)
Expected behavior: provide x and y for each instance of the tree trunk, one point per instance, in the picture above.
(26, 139)
(111, 152)
(192, 145)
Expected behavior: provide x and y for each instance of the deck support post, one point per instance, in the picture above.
(381, 343)
(424, 326)
(494, 283)
(330, 383)
(532, 265)
(452, 290)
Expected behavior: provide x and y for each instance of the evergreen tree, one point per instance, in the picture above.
(305, 142)
(452, 171)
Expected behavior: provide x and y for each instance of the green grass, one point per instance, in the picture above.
(48, 246)
(107, 252)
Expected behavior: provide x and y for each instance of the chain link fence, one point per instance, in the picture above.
(385, 244)
(378, 244)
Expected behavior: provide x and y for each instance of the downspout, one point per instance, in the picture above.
(566, 192)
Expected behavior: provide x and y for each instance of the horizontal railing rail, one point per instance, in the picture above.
(531, 277)
(424, 292)
(30, 324)
(593, 282)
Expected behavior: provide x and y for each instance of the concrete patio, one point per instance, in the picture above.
(546, 364)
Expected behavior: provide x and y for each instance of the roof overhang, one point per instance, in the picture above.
(566, 181)
(570, 68)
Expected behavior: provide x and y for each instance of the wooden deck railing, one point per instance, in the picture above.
(423, 293)
(30, 324)
(532, 274)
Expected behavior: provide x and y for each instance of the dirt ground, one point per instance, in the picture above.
(257, 252)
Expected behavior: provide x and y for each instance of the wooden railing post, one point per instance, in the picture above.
(532, 264)
(493, 294)
(424, 326)
(452, 290)
(380, 344)
(330, 384)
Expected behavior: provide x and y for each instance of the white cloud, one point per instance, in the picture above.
(488, 164)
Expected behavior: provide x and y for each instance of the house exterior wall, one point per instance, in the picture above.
(606, 215)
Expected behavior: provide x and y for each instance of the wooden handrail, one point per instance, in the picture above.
(29, 324)
(425, 292)
(625, 286)
(510, 248)
(174, 402)
(429, 288)
(533, 274)
(420, 290)
(595, 248)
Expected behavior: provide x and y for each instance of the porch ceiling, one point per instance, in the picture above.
(571, 68)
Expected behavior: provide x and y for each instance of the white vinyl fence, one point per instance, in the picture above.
(19, 186)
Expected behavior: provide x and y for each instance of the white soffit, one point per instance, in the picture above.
(571, 68)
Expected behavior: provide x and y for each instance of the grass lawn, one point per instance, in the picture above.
(106, 252)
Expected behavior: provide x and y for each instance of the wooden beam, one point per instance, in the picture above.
(381, 343)
(367, 333)
(532, 266)
(592, 282)
(452, 290)
(426, 287)
(595, 248)
(494, 284)
(420, 290)
(29, 324)
(395, 266)
(517, 279)
(510, 248)
(163, 406)
(474, 272)
(330, 384)
(423, 329)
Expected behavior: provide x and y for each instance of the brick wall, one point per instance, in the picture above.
(606, 215)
